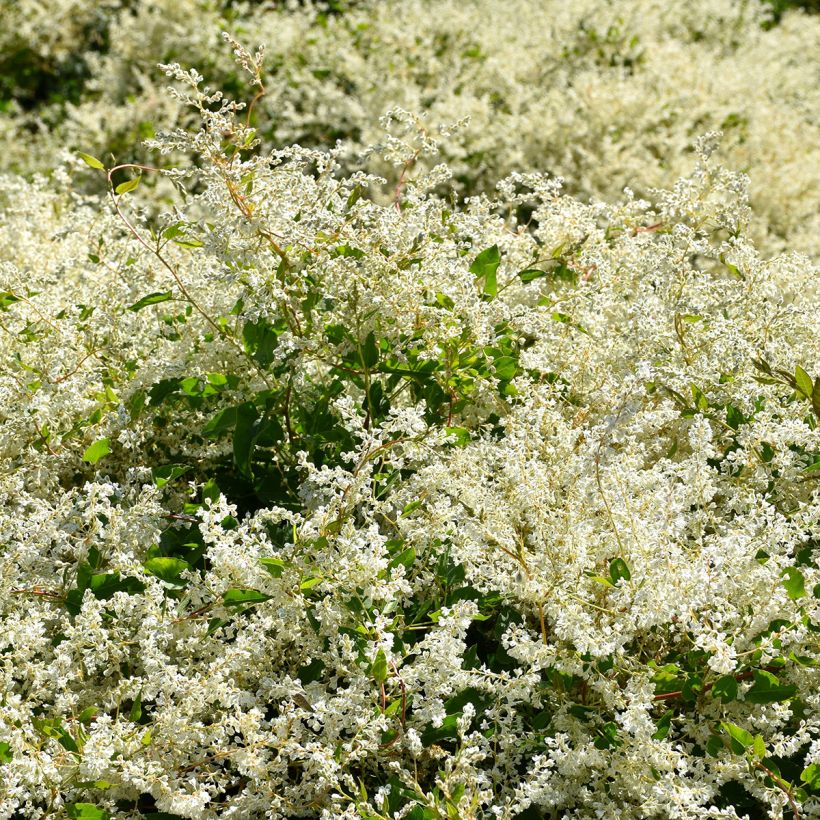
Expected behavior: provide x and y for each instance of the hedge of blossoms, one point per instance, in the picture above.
(327, 497)
(604, 94)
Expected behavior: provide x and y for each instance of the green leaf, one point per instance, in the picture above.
(759, 747)
(150, 299)
(531, 274)
(241, 597)
(370, 352)
(86, 811)
(815, 397)
(378, 670)
(166, 569)
(173, 230)
(485, 266)
(725, 688)
(97, 450)
(714, 745)
(811, 776)
(223, 421)
(92, 161)
(411, 508)
(663, 725)
(448, 729)
(734, 417)
(125, 187)
(404, 559)
(741, 739)
(618, 569)
(794, 582)
(505, 367)
(260, 340)
(767, 689)
(6, 755)
(804, 382)
(162, 475)
(6, 299)
(275, 566)
(136, 709)
(461, 435)
(87, 715)
(244, 437)
(348, 251)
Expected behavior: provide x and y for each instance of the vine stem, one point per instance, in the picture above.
(155, 251)
(783, 786)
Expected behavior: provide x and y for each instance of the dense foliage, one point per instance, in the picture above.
(384, 478)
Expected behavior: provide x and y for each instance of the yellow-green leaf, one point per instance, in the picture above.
(92, 161)
(97, 450)
(804, 382)
(125, 187)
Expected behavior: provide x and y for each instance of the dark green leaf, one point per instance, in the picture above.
(244, 437)
(404, 559)
(162, 475)
(734, 418)
(223, 421)
(348, 251)
(505, 367)
(448, 729)
(241, 597)
(741, 739)
(260, 339)
(725, 688)
(461, 435)
(663, 725)
(531, 274)
(618, 568)
(6, 299)
(370, 352)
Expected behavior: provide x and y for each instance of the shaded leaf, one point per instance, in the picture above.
(241, 597)
(725, 688)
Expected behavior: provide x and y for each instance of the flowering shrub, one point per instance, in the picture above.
(324, 496)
